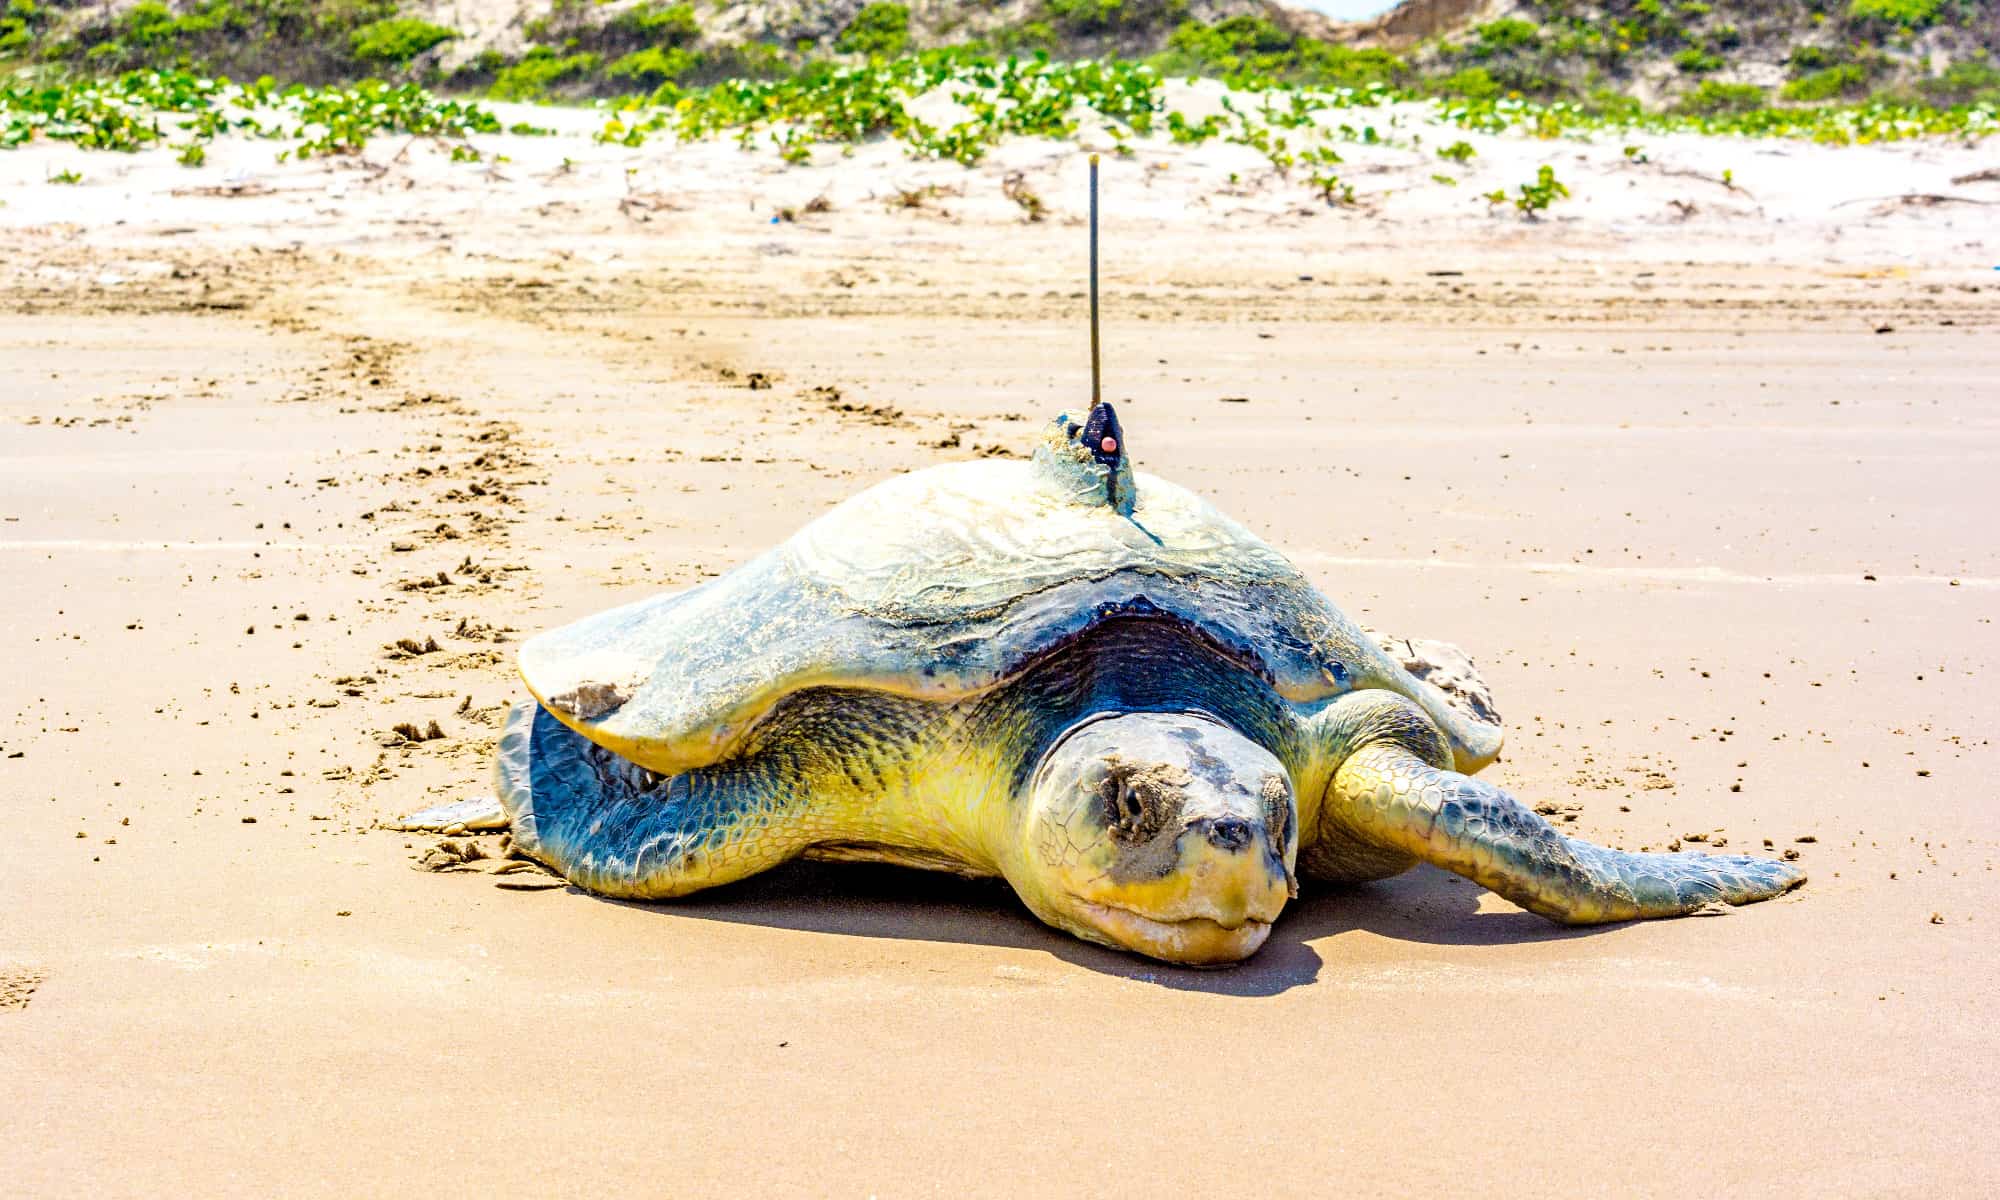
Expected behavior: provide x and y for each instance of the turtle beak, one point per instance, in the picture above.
(1103, 436)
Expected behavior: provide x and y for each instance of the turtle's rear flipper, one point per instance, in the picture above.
(612, 827)
(481, 814)
(1392, 797)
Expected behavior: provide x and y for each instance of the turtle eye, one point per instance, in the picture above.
(1131, 812)
(1130, 809)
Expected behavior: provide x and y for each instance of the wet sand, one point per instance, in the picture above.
(1721, 547)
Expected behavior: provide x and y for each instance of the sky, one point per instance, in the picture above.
(1346, 10)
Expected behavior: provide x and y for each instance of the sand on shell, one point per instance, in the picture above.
(293, 455)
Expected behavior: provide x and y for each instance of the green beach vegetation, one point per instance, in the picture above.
(1605, 54)
(150, 74)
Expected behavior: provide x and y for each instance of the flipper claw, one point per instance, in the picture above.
(480, 814)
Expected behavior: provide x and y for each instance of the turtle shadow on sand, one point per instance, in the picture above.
(1426, 906)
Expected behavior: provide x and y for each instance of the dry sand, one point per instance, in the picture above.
(1709, 500)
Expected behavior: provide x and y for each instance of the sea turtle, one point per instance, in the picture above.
(1084, 680)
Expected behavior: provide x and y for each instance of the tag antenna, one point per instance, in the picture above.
(1096, 374)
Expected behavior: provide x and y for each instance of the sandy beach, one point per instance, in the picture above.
(1706, 493)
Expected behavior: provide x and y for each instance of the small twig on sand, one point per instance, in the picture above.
(1989, 175)
(1916, 199)
(1721, 181)
(1726, 180)
(636, 204)
(377, 170)
(239, 187)
(1015, 187)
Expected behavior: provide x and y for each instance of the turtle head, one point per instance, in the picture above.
(1168, 834)
(1083, 457)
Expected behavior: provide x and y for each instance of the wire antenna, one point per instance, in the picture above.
(1096, 379)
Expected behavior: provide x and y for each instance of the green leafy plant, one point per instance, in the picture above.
(649, 68)
(21, 22)
(658, 24)
(1712, 98)
(1459, 152)
(1473, 83)
(1329, 187)
(1909, 14)
(397, 40)
(1964, 82)
(1515, 55)
(540, 70)
(1500, 37)
(1187, 132)
(1111, 16)
(1531, 199)
(1697, 61)
(1610, 106)
(303, 40)
(793, 146)
(1848, 79)
(127, 113)
(1251, 52)
(881, 29)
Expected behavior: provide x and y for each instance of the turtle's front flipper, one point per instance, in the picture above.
(1392, 797)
